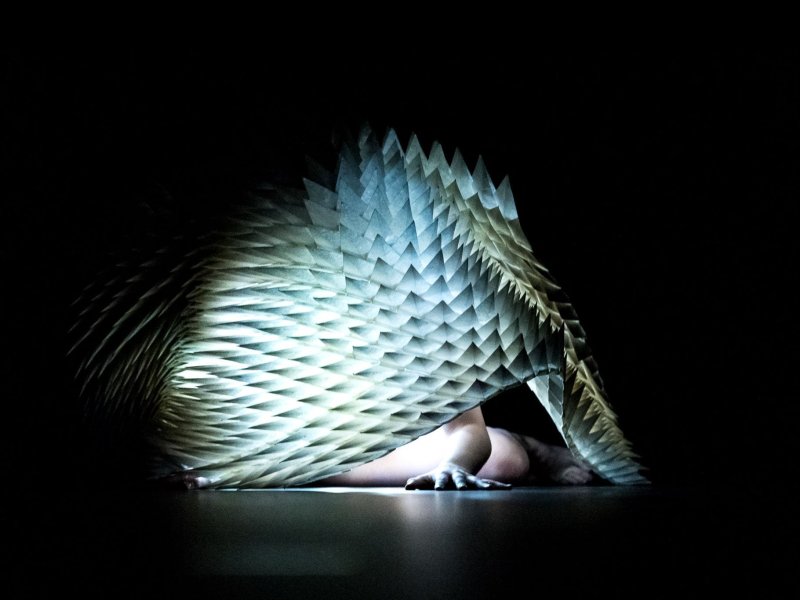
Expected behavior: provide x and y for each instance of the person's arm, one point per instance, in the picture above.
(469, 448)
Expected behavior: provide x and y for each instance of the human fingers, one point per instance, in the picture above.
(420, 482)
(460, 480)
(488, 484)
(441, 480)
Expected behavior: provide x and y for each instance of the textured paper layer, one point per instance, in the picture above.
(321, 328)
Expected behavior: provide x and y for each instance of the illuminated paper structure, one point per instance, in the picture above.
(321, 328)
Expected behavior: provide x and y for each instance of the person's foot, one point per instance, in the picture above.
(554, 463)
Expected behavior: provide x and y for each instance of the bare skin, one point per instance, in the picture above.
(462, 454)
(553, 464)
(466, 454)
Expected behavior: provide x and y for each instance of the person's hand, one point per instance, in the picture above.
(450, 475)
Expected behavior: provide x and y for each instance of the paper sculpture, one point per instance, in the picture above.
(320, 328)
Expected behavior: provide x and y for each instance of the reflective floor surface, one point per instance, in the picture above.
(389, 543)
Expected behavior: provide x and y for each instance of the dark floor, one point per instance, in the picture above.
(389, 543)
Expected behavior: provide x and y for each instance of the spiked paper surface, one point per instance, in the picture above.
(321, 328)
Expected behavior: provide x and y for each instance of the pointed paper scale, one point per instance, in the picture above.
(322, 327)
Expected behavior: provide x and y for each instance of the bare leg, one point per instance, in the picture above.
(514, 459)
(508, 461)
(553, 463)
(394, 469)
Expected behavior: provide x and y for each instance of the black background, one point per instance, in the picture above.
(659, 186)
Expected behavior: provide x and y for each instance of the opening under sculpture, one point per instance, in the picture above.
(320, 328)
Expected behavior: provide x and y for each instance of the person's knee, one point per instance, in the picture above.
(509, 462)
(513, 466)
